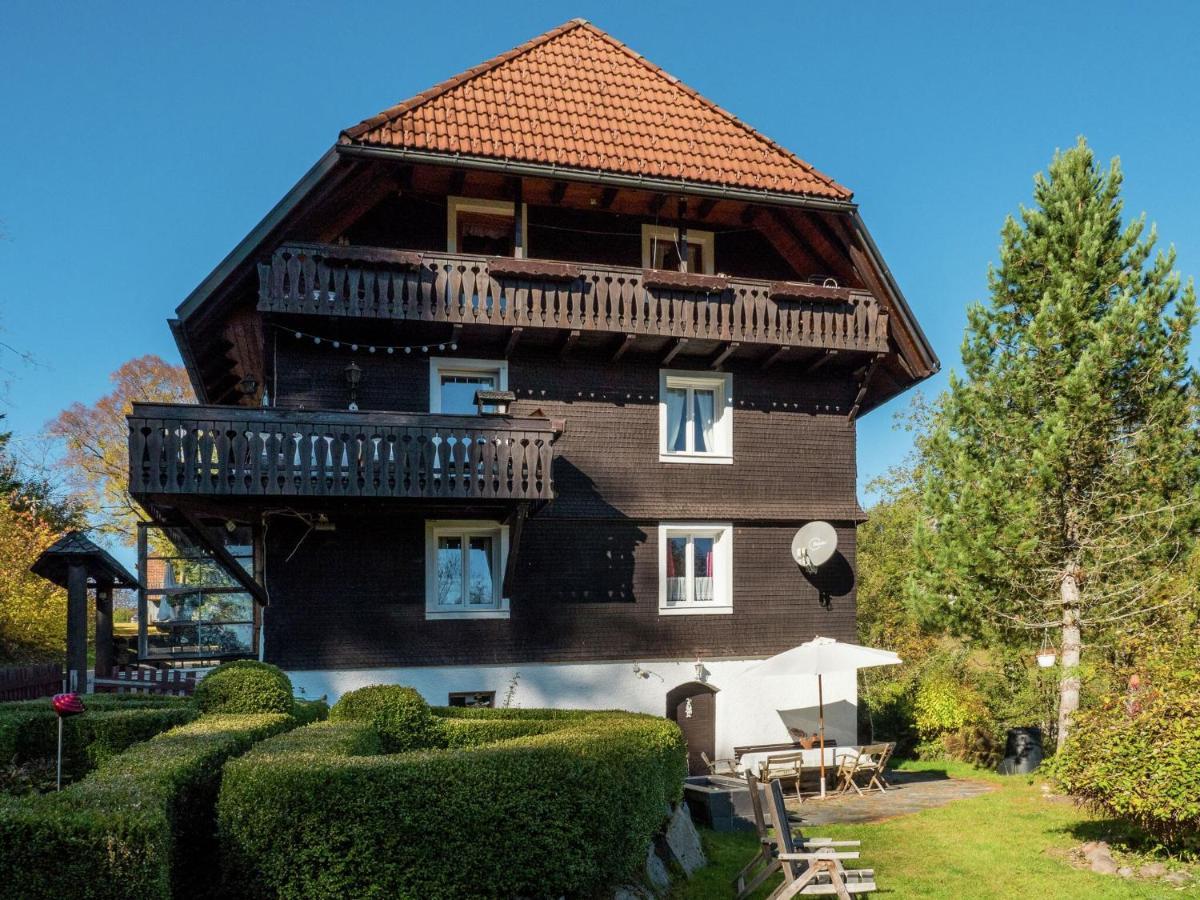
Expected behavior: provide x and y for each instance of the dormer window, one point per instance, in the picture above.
(483, 227)
(661, 250)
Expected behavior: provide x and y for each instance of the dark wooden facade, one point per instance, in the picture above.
(353, 273)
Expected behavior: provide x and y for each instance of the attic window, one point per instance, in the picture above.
(482, 227)
(660, 250)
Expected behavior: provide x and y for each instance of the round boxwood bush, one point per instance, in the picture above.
(399, 714)
(245, 686)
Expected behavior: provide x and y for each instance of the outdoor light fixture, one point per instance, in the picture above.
(248, 385)
(701, 672)
(353, 378)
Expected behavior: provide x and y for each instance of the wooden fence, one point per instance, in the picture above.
(31, 682)
(134, 680)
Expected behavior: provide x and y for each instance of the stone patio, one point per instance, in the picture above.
(910, 792)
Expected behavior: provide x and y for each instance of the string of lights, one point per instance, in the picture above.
(356, 346)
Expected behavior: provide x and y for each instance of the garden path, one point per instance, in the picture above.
(910, 792)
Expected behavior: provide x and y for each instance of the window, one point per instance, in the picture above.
(660, 249)
(695, 417)
(695, 568)
(464, 569)
(453, 383)
(482, 227)
(472, 698)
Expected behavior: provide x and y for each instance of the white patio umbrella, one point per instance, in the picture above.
(822, 656)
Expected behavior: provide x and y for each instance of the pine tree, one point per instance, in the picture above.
(1060, 487)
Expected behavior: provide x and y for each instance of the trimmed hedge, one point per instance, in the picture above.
(400, 715)
(141, 825)
(320, 812)
(245, 686)
(29, 733)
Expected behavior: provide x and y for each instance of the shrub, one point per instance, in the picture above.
(141, 825)
(305, 712)
(29, 734)
(245, 686)
(568, 811)
(400, 715)
(1135, 755)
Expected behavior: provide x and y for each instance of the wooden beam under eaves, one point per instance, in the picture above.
(557, 192)
(818, 362)
(775, 357)
(569, 343)
(607, 197)
(863, 385)
(705, 207)
(514, 336)
(623, 347)
(676, 347)
(727, 351)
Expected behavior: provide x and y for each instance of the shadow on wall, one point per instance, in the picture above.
(579, 563)
(833, 580)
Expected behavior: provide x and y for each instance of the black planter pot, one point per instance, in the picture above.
(1022, 751)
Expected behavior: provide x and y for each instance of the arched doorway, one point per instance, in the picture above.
(693, 706)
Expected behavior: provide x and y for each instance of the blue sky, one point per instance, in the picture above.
(140, 142)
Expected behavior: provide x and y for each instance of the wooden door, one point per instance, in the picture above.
(693, 707)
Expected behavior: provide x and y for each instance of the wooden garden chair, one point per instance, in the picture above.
(780, 766)
(767, 861)
(870, 761)
(722, 765)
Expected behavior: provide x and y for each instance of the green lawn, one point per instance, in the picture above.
(1009, 843)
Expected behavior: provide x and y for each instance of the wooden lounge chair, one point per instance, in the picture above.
(779, 766)
(870, 761)
(795, 853)
(722, 765)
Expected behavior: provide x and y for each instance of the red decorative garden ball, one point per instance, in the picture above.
(67, 705)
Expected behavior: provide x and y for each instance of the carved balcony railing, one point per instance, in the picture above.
(443, 287)
(235, 451)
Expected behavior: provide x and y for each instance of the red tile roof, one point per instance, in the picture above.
(576, 97)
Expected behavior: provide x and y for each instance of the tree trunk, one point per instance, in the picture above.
(1068, 686)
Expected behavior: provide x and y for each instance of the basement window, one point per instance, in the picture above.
(464, 569)
(695, 568)
(472, 698)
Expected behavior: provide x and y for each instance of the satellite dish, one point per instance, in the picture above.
(814, 545)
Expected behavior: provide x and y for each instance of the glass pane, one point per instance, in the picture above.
(676, 569)
(666, 255)
(449, 571)
(479, 573)
(704, 417)
(486, 235)
(458, 392)
(676, 420)
(703, 568)
(695, 258)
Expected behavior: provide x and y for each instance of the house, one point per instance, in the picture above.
(520, 395)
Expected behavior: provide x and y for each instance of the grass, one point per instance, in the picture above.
(1012, 842)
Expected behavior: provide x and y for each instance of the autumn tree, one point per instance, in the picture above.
(1061, 468)
(95, 440)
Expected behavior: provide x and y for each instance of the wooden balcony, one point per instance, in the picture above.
(517, 293)
(233, 451)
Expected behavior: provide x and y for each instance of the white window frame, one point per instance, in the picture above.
(448, 365)
(465, 528)
(652, 233)
(487, 207)
(722, 534)
(722, 383)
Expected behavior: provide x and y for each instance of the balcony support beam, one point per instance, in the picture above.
(821, 360)
(569, 343)
(623, 347)
(727, 351)
(775, 357)
(516, 525)
(514, 337)
(224, 557)
(678, 345)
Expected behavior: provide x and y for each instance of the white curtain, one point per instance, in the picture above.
(676, 413)
(705, 406)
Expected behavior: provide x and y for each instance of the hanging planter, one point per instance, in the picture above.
(1047, 656)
